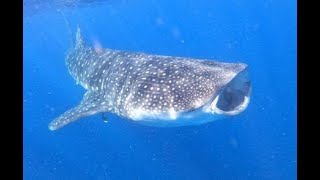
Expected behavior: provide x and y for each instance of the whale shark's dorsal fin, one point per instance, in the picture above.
(79, 39)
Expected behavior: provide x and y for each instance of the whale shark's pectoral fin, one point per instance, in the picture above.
(89, 105)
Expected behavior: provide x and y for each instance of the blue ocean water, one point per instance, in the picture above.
(260, 143)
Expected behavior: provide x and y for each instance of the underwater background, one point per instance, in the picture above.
(260, 143)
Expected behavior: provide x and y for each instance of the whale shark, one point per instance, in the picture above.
(155, 90)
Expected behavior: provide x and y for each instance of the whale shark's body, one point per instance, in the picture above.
(152, 89)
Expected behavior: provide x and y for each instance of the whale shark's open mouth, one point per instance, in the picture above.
(234, 97)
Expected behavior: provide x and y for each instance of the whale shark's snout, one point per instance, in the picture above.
(234, 97)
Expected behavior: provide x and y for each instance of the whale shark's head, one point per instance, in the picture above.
(219, 90)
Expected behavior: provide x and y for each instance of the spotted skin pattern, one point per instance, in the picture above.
(142, 87)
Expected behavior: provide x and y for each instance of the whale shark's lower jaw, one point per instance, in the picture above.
(233, 98)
